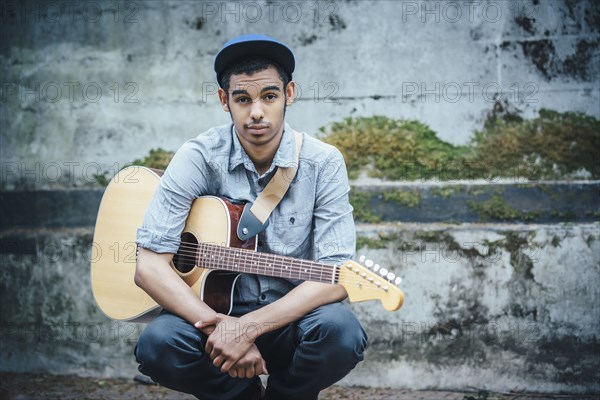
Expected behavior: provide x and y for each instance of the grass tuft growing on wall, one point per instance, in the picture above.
(388, 148)
(552, 146)
(158, 158)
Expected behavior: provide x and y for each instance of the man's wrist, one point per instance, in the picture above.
(207, 329)
(252, 326)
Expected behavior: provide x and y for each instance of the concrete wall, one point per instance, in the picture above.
(93, 86)
(490, 304)
(497, 307)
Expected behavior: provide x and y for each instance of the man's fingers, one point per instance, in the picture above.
(238, 373)
(219, 361)
(259, 368)
(209, 348)
(227, 365)
(211, 321)
(211, 351)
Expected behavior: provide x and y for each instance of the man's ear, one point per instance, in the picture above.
(290, 93)
(223, 99)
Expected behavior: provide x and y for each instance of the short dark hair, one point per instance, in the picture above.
(250, 66)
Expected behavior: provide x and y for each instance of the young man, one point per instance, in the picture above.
(300, 333)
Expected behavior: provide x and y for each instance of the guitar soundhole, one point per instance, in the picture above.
(185, 259)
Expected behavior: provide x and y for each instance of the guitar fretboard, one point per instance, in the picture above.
(251, 262)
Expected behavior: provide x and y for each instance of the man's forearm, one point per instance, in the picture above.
(156, 277)
(301, 300)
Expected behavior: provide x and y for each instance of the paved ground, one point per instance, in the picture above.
(65, 387)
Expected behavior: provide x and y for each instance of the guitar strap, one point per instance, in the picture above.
(255, 217)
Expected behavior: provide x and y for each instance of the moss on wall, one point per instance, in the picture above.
(158, 158)
(496, 208)
(403, 198)
(553, 145)
(363, 211)
(388, 148)
(380, 242)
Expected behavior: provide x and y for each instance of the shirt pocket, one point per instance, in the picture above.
(293, 231)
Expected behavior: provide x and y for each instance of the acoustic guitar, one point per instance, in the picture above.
(210, 258)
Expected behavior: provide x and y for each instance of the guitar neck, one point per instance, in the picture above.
(247, 261)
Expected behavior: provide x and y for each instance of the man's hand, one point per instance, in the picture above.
(229, 343)
(250, 365)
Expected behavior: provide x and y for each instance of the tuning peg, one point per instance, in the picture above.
(397, 281)
(376, 267)
(369, 264)
(390, 276)
(362, 259)
(383, 272)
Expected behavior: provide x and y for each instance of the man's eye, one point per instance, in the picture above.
(271, 97)
(242, 100)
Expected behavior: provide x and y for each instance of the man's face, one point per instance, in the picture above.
(257, 105)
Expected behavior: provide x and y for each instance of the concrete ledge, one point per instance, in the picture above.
(541, 202)
(50, 209)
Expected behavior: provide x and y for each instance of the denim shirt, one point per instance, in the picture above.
(313, 220)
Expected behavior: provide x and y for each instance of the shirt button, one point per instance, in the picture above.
(263, 297)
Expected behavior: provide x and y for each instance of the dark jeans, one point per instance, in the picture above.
(303, 358)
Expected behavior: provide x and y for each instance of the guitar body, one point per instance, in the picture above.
(210, 257)
(211, 220)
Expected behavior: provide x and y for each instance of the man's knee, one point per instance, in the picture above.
(156, 350)
(150, 346)
(339, 333)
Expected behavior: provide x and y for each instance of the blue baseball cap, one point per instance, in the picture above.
(254, 45)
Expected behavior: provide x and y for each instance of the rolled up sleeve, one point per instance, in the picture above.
(334, 233)
(183, 181)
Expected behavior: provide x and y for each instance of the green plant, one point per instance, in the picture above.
(388, 148)
(158, 158)
(361, 202)
(553, 145)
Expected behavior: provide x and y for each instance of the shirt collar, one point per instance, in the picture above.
(284, 157)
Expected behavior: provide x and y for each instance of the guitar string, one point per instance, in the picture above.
(222, 252)
(338, 280)
(257, 262)
(350, 281)
(305, 276)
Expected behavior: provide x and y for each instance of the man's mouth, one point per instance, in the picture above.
(257, 128)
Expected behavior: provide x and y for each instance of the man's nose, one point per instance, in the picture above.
(256, 111)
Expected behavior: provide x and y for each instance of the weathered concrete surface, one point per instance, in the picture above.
(498, 306)
(94, 85)
(491, 306)
(49, 319)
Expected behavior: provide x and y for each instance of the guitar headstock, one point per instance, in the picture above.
(366, 280)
